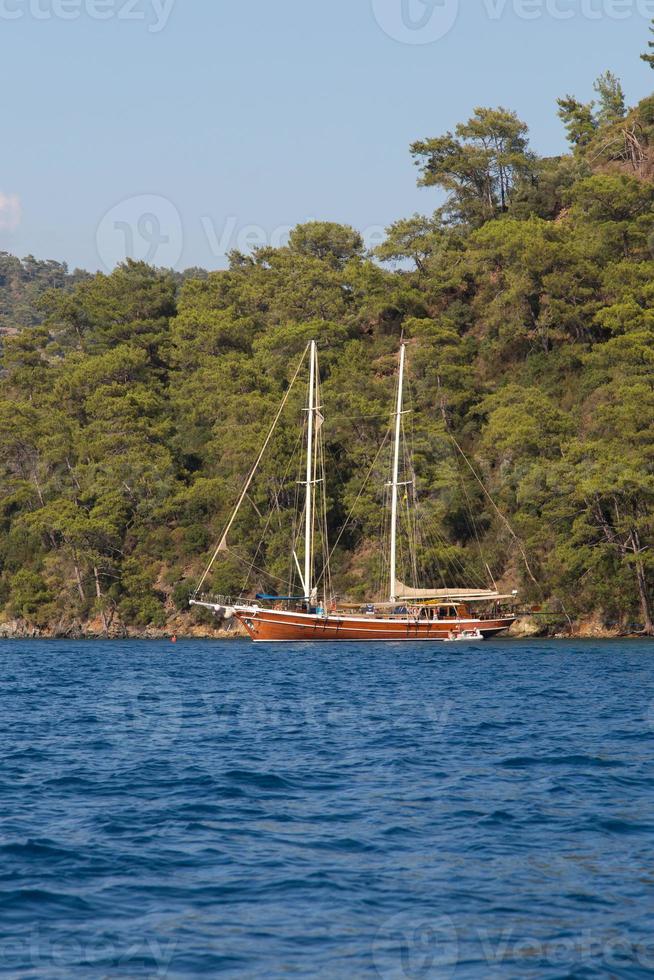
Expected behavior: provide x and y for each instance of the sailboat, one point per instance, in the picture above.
(404, 615)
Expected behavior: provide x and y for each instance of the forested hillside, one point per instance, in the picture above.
(22, 285)
(131, 414)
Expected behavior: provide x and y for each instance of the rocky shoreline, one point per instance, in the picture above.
(182, 627)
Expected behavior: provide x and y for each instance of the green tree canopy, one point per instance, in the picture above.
(479, 165)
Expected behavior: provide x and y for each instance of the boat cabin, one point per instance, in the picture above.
(438, 612)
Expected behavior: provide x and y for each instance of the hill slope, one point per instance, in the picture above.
(130, 414)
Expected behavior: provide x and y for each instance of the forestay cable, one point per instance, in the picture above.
(222, 546)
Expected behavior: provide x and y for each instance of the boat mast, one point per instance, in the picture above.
(308, 538)
(396, 473)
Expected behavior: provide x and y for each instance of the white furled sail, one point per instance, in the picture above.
(405, 593)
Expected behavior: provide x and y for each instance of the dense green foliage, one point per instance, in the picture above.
(130, 415)
(22, 285)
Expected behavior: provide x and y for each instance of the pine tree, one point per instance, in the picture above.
(579, 121)
(611, 99)
(649, 58)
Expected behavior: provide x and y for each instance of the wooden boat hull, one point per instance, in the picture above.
(273, 626)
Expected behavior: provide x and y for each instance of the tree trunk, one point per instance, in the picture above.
(38, 488)
(78, 577)
(645, 603)
(643, 591)
(98, 592)
(72, 474)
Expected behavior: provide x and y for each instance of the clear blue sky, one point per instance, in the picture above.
(191, 127)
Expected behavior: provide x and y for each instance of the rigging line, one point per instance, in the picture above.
(501, 516)
(257, 552)
(356, 418)
(249, 564)
(324, 515)
(449, 560)
(414, 475)
(433, 543)
(454, 560)
(297, 523)
(434, 537)
(413, 549)
(278, 492)
(412, 505)
(329, 585)
(384, 569)
(414, 529)
(472, 518)
(473, 523)
(299, 537)
(272, 511)
(298, 512)
(410, 523)
(379, 569)
(248, 482)
(359, 495)
(387, 517)
(435, 564)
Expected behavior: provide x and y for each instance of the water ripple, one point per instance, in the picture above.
(217, 809)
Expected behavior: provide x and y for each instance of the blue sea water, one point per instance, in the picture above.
(218, 809)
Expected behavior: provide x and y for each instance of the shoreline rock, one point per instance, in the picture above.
(525, 628)
(94, 630)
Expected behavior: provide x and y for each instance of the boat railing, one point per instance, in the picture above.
(416, 612)
(212, 599)
(230, 602)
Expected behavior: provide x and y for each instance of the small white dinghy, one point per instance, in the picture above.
(464, 636)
